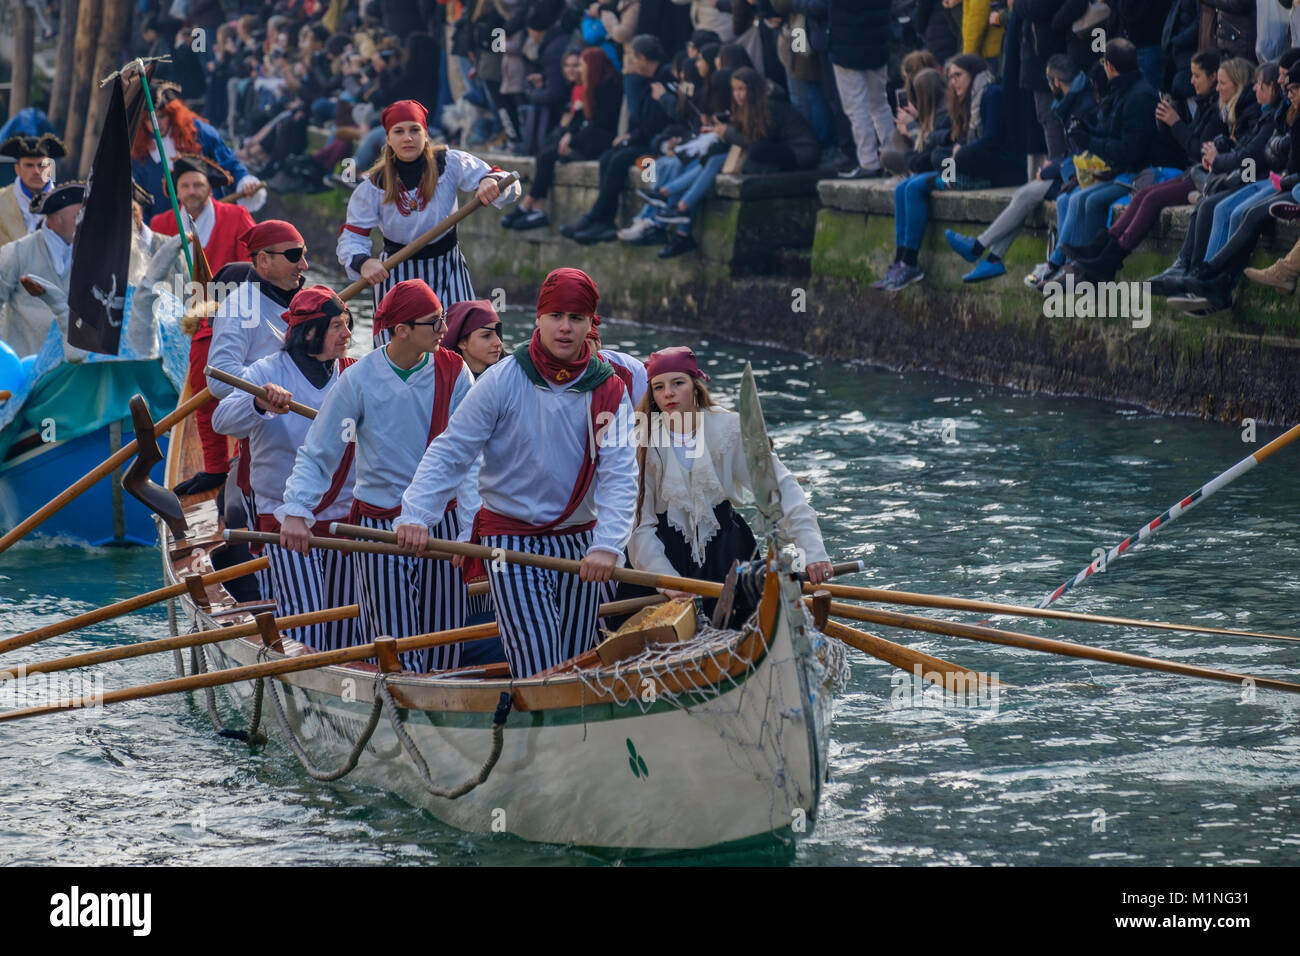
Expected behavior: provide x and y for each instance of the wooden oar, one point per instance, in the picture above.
(1047, 645)
(113, 462)
(258, 390)
(882, 596)
(233, 675)
(904, 658)
(110, 611)
(329, 544)
(629, 575)
(217, 635)
(211, 636)
(411, 248)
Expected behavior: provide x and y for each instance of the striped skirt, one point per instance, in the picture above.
(321, 579)
(401, 596)
(447, 275)
(546, 617)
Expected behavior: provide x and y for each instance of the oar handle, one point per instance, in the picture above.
(129, 604)
(648, 579)
(411, 248)
(244, 385)
(5, 394)
(106, 467)
(210, 636)
(329, 544)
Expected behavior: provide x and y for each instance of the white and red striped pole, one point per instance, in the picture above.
(1195, 498)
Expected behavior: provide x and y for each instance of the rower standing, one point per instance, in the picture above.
(249, 326)
(306, 369)
(693, 472)
(551, 485)
(408, 191)
(393, 402)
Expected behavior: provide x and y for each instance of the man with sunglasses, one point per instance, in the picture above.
(392, 403)
(248, 324)
(307, 369)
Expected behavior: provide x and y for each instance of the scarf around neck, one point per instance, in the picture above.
(542, 367)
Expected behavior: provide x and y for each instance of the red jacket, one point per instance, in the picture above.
(223, 246)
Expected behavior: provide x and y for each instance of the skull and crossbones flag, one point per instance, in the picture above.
(101, 251)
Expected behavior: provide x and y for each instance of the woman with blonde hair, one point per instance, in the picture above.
(693, 473)
(409, 189)
(926, 109)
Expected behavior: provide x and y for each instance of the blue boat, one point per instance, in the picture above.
(64, 418)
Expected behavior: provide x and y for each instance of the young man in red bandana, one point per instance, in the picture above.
(392, 403)
(551, 483)
(307, 369)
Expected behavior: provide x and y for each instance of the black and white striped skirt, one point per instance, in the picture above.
(402, 596)
(320, 579)
(446, 274)
(545, 617)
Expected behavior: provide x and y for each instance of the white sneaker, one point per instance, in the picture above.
(637, 229)
(1041, 271)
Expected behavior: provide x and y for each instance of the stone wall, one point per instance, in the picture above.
(787, 260)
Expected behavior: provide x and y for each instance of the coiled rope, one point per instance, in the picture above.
(498, 737)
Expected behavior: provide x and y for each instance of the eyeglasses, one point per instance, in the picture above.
(438, 325)
(293, 255)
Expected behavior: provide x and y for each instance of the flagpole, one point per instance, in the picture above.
(1173, 512)
(167, 173)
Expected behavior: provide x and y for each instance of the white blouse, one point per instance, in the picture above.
(366, 208)
(689, 481)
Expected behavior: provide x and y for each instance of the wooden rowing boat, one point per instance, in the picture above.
(717, 740)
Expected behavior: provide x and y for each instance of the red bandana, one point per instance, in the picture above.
(551, 368)
(404, 111)
(268, 233)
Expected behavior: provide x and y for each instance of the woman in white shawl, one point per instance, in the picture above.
(693, 474)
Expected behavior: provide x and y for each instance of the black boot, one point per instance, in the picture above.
(1170, 279)
(1090, 251)
(1103, 266)
(1206, 295)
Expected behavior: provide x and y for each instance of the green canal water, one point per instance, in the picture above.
(940, 487)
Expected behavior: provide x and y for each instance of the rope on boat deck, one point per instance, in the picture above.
(300, 752)
(498, 737)
(252, 736)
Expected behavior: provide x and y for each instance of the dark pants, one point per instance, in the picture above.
(1235, 253)
(1143, 210)
(614, 165)
(1198, 230)
(769, 158)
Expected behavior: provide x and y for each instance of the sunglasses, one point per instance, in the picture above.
(293, 255)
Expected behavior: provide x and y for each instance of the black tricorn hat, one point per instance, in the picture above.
(32, 147)
(191, 163)
(164, 91)
(141, 195)
(60, 197)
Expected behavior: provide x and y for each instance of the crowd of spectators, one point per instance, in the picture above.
(1088, 103)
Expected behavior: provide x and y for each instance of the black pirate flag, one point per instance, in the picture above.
(101, 251)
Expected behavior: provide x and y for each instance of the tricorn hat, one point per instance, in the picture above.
(190, 163)
(29, 147)
(60, 197)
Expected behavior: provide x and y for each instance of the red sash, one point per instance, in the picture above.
(446, 369)
(605, 399)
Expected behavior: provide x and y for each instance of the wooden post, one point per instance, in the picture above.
(198, 591)
(821, 608)
(112, 30)
(24, 36)
(64, 63)
(386, 653)
(270, 633)
(83, 56)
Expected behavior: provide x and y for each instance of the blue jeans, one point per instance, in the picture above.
(910, 210)
(1086, 216)
(1227, 214)
(810, 101)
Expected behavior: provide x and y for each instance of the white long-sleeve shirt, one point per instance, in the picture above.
(366, 208)
(247, 327)
(274, 440)
(532, 441)
(688, 481)
(390, 421)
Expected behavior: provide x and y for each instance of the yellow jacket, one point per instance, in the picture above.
(976, 34)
